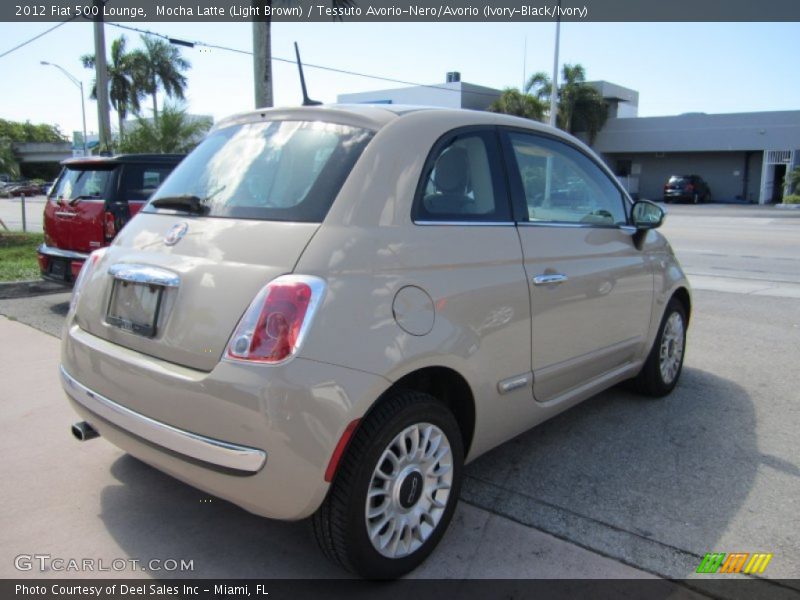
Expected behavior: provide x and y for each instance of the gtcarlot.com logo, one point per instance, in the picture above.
(47, 562)
(735, 562)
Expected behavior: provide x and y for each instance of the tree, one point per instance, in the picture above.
(514, 102)
(175, 131)
(124, 73)
(581, 107)
(16, 131)
(262, 50)
(9, 165)
(162, 68)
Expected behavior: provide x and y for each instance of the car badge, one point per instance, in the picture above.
(176, 233)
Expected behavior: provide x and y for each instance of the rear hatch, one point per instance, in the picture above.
(74, 213)
(235, 214)
(677, 184)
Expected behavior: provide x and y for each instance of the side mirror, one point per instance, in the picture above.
(647, 215)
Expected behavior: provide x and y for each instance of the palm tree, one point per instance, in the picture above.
(123, 72)
(175, 131)
(580, 106)
(262, 50)
(514, 102)
(162, 67)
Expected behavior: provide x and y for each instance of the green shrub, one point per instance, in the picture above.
(792, 199)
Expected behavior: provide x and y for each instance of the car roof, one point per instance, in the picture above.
(89, 161)
(377, 116)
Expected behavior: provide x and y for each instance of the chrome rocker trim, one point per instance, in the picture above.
(215, 452)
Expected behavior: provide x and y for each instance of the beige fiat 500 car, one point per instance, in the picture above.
(326, 311)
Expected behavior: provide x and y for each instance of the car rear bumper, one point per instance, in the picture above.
(258, 436)
(214, 452)
(61, 266)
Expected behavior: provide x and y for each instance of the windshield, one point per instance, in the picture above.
(275, 170)
(81, 183)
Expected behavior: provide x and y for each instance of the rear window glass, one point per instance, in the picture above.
(139, 181)
(675, 179)
(81, 183)
(274, 170)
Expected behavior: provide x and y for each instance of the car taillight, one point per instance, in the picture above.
(273, 327)
(86, 269)
(689, 187)
(110, 228)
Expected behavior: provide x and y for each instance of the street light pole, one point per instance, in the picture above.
(79, 84)
(554, 90)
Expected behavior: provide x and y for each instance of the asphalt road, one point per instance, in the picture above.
(655, 484)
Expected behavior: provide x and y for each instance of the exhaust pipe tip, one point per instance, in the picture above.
(83, 432)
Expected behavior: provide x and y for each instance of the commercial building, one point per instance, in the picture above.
(452, 94)
(742, 156)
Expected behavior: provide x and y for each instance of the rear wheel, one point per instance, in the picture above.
(663, 366)
(396, 488)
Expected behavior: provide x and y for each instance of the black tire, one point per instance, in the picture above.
(650, 380)
(340, 524)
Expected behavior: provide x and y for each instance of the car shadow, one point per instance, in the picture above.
(62, 308)
(655, 483)
(153, 516)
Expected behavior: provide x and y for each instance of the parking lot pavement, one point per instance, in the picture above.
(11, 213)
(90, 500)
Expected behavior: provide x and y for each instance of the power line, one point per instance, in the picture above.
(292, 61)
(36, 37)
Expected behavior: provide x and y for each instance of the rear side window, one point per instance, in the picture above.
(462, 182)
(85, 184)
(139, 181)
(273, 170)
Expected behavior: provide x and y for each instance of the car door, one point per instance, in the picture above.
(590, 286)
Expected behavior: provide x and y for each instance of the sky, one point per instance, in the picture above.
(675, 67)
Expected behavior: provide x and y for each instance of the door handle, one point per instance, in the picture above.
(549, 279)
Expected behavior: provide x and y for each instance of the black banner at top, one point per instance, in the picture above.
(401, 10)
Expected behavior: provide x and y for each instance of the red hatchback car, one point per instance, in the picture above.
(91, 201)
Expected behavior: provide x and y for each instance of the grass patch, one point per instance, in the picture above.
(18, 256)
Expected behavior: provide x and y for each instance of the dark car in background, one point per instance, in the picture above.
(686, 188)
(90, 202)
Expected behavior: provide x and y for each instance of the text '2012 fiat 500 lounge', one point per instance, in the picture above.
(327, 311)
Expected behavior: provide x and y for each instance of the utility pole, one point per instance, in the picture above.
(101, 77)
(262, 57)
(554, 91)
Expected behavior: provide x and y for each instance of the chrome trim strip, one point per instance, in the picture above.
(144, 274)
(215, 452)
(58, 252)
(549, 279)
(570, 225)
(472, 223)
(63, 213)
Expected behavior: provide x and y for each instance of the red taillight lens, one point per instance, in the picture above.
(689, 187)
(273, 327)
(109, 227)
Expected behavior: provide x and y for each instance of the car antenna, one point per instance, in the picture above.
(306, 100)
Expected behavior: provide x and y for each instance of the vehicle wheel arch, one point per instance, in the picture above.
(681, 294)
(445, 384)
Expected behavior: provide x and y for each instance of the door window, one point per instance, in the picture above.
(563, 185)
(460, 182)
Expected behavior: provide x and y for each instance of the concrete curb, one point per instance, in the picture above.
(24, 289)
(788, 206)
